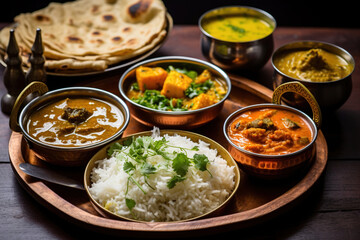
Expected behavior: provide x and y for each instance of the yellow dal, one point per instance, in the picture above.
(237, 28)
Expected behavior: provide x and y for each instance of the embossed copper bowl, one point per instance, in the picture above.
(330, 95)
(242, 56)
(102, 154)
(60, 155)
(174, 119)
(277, 166)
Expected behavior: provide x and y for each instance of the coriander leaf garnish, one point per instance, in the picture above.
(147, 168)
(181, 164)
(175, 179)
(195, 148)
(134, 153)
(113, 148)
(127, 142)
(128, 167)
(130, 203)
(200, 161)
(195, 89)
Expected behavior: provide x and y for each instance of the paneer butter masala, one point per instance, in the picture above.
(175, 89)
(270, 131)
(75, 122)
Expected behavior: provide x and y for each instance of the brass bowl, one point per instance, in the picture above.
(102, 154)
(58, 155)
(330, 95)
(277, 166)
(173, 119)
(242, 56)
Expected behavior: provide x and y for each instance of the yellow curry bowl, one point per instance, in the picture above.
(101, 162)
(273, 141)
(324, 68)
(67, 126)
(179, 119)
(237, 37)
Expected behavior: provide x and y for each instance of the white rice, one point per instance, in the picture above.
(200, 193)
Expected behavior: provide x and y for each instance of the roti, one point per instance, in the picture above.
(90, 34)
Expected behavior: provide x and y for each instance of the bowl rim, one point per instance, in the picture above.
(229, 158)
(232, 116)
(180, 59)
(124, 110)
(263, 12)
(281, 48)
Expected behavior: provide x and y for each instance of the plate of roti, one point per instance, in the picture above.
(86, 37)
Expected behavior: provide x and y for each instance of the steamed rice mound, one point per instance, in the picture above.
(198, 194)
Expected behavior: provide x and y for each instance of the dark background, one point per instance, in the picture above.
(308, 13)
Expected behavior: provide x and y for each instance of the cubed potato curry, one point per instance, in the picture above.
(176, 89)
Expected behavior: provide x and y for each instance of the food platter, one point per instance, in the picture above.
(255, 201)
(114, 67)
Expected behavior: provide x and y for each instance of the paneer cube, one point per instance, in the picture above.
(175, 85)
(150, 78)
(203, 100)
(205, 75)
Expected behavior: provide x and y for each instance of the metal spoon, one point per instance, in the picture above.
(50, 176)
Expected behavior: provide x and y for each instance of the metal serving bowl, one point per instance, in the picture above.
(277, 166)
(58, 155)
(330, 95)
(102, 154)
(243, 56)
(173, 119)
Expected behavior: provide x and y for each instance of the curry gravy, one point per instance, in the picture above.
(237, 28)
(316, 65)
(270, 131)
(75, 122)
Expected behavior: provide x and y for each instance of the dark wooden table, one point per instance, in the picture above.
(330, 211)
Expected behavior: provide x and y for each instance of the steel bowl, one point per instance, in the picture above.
(102, 154)
(59, 155)
(174, 119)
(277, 166)
(330, 95)
(242, 56)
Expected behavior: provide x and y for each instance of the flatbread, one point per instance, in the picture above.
(90, 34)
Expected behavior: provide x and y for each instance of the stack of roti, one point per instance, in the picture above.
(90, 35)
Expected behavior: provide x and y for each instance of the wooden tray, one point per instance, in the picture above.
(256, 201)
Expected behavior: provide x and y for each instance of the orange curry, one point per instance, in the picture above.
(270, 131)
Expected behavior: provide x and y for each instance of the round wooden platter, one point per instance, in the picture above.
(256, 201)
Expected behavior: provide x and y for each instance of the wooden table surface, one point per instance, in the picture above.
(330, 211)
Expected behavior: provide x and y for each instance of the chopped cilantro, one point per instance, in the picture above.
(181, 164)
(175, 179)
(134, 153)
